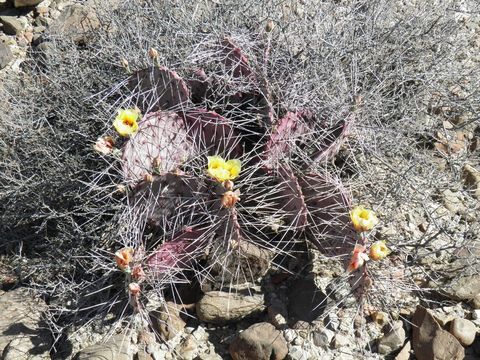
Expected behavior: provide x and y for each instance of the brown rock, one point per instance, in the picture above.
(77, 22)
(430, 342)
(168, 320)
(221, 307)
(23, 3)
(116, 348)
(471, 176)
(261, 342)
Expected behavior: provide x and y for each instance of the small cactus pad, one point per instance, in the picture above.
(178, 253)
(213, 133)
(159, 89)
(328, 206)
(160, 145)
(235, 61)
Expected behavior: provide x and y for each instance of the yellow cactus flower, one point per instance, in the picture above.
(126, 121)
(379, 251)
(222, 170)
(363, 219)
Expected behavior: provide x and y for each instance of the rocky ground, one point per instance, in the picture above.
(427, 307)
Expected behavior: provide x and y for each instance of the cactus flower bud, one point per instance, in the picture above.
(104, 145)
(379, 251)
(230, 198)
(153, 53)
(359, 257)
(269, 26)
(134, 289)
(123, 258)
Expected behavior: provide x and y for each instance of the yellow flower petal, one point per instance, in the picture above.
(363, 219)
(379, 251)
(222, 170)
(126, 122)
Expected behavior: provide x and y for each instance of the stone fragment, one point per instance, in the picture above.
(464, 330)
(221, 307)
(463, 287)
(115, 348)
(471, 177)
(5, 55)
(393, 340)
(341, 341)
(188, 348)
(430, 342)
(168, 320)
(20, 320)
(297, 353)
(323, 337)
(261, 342)
(77, 22)
(12, 25)
(404, 354)
(23, 3)
(453, 202)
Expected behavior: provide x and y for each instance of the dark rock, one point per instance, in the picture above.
(430, 342)
(305, 300)
(5, 55)
(23, 3)
(12, 25)
(261, 342)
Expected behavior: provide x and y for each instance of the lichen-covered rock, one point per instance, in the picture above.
(221, 307)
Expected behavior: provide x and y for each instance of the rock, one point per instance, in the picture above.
(167, 320)
(21, 348)
(261, 342)
(393, 340)
(471, 177)
(323, 337)
(305, 303)
(379, 317)
(5, 55)
(143, 355)
(13, 25)
(77, 22)
(221, 307)
(404, 354)
(116, 348)
(297, 353)
(20, 324)
(430, 342)
(188, 348)
(464, 330)
(341, 341)
(23, 3)
(463, 287)
(453, 202)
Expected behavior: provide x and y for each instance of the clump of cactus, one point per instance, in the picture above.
(184, 217)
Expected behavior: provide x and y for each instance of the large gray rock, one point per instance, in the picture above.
(20, 326)
(261, 342)
(116, 348)
(5, 55)
(466, 287)
(222, 307)
(430, 342)
(464, 330)
(13, 25)
(393, 340)
(76, 22)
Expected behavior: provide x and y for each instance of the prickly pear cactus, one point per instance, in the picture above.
(280, 196)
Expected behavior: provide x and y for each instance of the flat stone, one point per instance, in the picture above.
(21, 321)
(430, 342)
(261, 342)
(463, 287)
(453, 202)
(23, 3)
(222, 307)
(464, 330)
(12, 25)
(404, 354)
(393, 340)
(116, 348)
(5, 55)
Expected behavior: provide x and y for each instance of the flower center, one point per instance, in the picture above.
(364, 215)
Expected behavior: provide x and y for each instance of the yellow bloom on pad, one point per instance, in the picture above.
(126, 121)
(222, 170)
(379, 251)
(363, 219)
